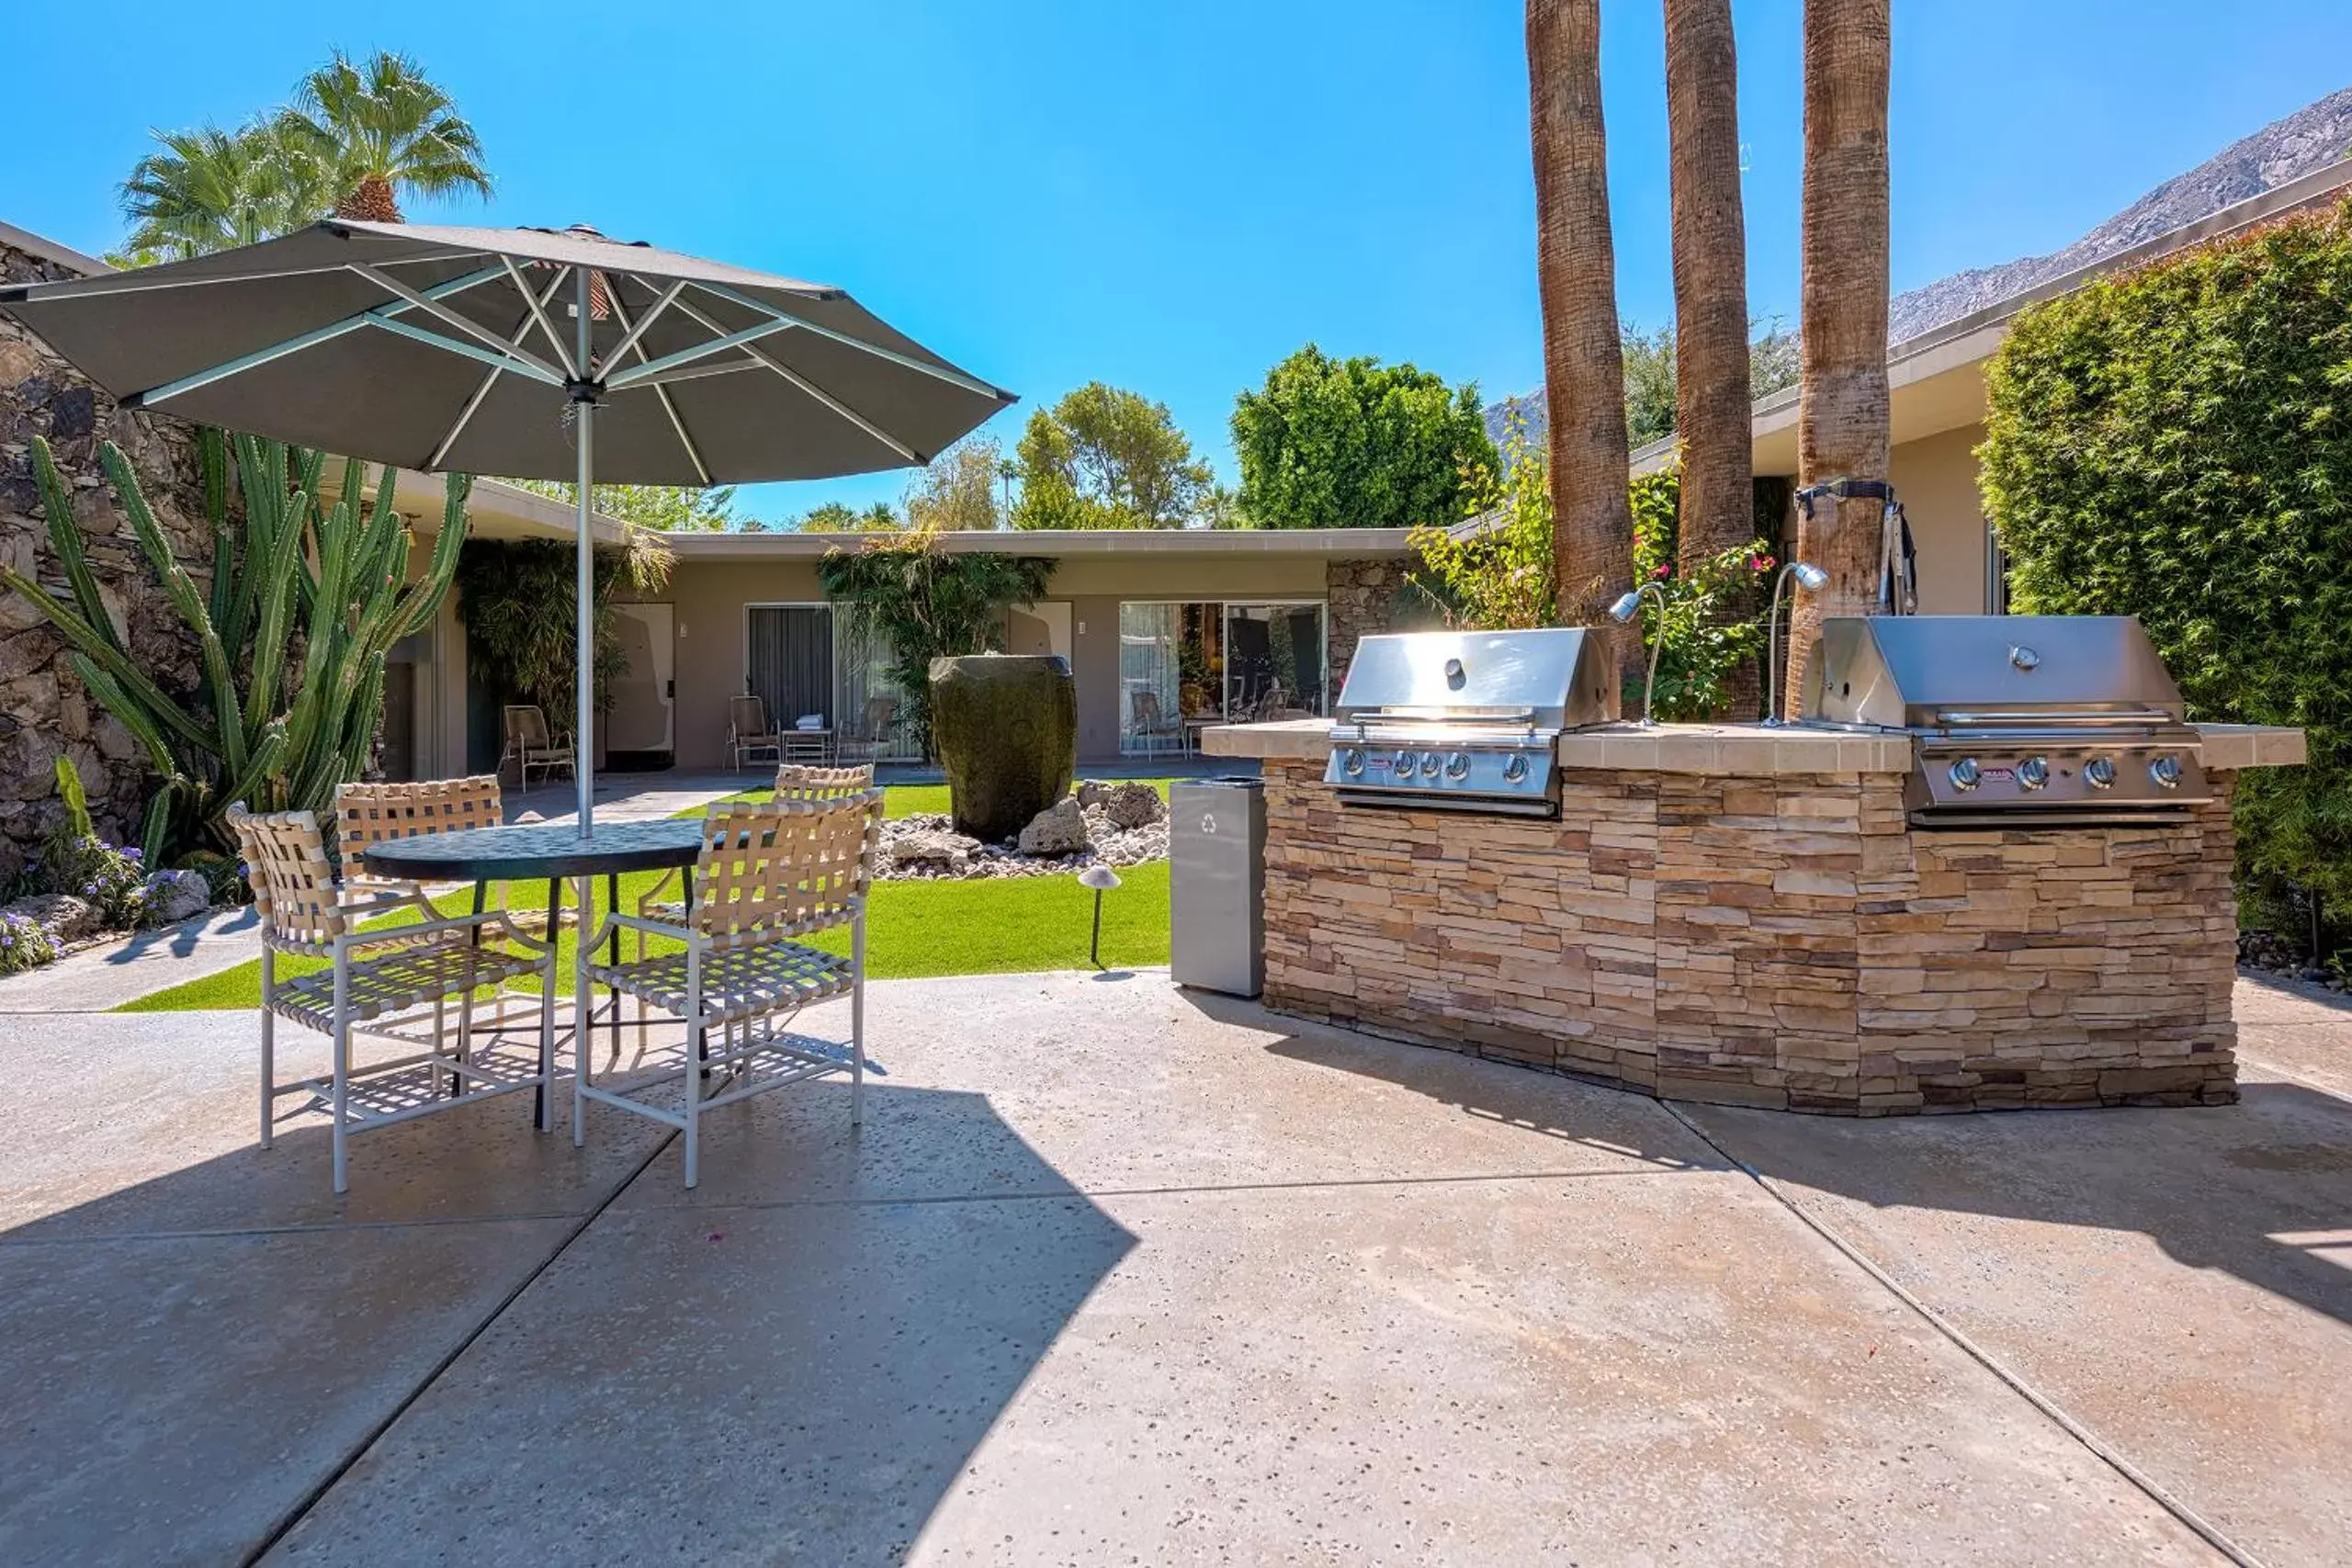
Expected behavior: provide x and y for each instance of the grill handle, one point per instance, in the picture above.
(2050, 719)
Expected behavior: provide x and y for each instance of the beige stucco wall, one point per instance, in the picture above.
(1935, 477)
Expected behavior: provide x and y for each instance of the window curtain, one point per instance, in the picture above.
(792, 662)
(1149, 678)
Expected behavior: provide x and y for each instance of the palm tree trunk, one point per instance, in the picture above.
(1842, 417)
(370, 201)
(1712, 395)
(1584, 367)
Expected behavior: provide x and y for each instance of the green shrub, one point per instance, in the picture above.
(2175, 443)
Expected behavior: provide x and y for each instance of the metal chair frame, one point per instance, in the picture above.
(393, 985)
(544, 752)
(767, 875)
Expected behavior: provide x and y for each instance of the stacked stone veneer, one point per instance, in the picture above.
(44, 709)
(1360, 596)
(1785, 941)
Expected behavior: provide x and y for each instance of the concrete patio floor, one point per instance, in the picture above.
(1117, 1273)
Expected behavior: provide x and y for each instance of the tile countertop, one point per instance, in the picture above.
(1736, 747)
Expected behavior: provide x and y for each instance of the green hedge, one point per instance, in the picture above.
(2175, 443)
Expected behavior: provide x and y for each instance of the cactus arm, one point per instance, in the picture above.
(109, 657)
(423, 599)
(218, 674)
(65, 538)
(130, 714)
(212, 465)
(270, 656)
(159, 820)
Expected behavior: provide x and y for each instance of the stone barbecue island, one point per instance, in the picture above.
(1745, 916)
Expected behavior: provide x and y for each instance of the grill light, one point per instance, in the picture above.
(1811, 579)
(1624, 610)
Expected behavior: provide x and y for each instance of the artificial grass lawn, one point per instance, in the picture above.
(994, 926)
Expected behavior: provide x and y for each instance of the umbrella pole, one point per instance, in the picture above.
(583, 732)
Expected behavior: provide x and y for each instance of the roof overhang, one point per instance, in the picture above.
(1059, 544)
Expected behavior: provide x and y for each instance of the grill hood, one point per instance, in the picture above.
(1552, 679)
(1929, 671)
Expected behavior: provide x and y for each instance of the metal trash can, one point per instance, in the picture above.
(1216, 885)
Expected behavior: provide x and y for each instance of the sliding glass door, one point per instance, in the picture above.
(790, 661)
(1273, 659)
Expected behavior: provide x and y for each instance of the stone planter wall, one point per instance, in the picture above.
(1359, 594)
(1783, 941)
(43, 709)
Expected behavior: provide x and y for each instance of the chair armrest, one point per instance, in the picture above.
(675, 874)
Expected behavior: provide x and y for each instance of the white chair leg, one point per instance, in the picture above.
(342, 1071)
(268, 1044)
(857, 1018)
(583, 893)
(696, 1032)
(546, 1091)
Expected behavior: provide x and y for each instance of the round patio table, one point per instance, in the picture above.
(556, 852)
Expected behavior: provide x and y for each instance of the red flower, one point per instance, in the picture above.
(1661, 570)
(1760, 563)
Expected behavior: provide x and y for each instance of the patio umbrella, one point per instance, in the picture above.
(530, 353)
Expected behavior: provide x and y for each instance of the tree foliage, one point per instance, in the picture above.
(517, 597)
(1650, 377)
(839, 517)
(1497, 571)
(665, 509)
(1106, 458)
(924, 603)
(381, 125)
(957, 491)
(2175, 443)
(1355, 443)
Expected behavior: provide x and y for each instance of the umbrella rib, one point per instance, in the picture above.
(634, 333)
(443, 313)
(378, 316)
(814, 390)
(539, 312)
(651, 369)
(630, 342)
(938, 372)
(490, 378)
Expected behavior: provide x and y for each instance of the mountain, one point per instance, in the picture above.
(2311, 138)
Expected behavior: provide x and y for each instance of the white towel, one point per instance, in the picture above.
(809, 721)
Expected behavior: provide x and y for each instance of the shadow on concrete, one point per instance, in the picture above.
(2261, 1190)
(181, 940)
(445, 1369)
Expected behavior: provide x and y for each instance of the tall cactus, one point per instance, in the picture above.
(279, 719)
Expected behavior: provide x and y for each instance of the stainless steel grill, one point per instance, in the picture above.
(2019, 720)
(1465, 721)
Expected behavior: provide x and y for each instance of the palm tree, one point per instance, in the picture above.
(1584, 367)
(209, 190)
(1711, 382)
(383, 131)
(1712, 394)
(1842, 414)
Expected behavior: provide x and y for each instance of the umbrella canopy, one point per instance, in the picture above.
(455, 348)
(531, 353)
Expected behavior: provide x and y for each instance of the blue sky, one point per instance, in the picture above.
(1171, 196)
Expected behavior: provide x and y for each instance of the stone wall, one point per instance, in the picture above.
(1785, 941)
(1362, 595)
(43, 709)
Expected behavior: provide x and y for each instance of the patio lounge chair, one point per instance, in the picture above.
(393, 984)
(748, 731)
(766, 876)
(1150, 722)
(870, 737)
(530, 744)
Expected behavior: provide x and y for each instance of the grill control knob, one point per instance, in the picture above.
(2166, 771)
(1403, 762)
(1515, 770)
(2099, 773)
(1353, 760)
(1963, 774)
(2033, 773)
(1429, 762)
(1457, 766)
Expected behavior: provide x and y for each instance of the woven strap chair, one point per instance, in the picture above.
(389, 983)
(794, 782)
(369, 814)
(767, 876)
(532, 745)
